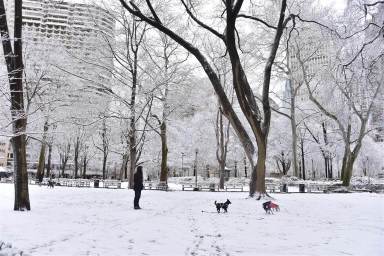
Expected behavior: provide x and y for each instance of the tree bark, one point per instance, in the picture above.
(164, 153)
(14, 62)
(257, 182)
(105, 156)
(124, 167)
(163, 125)
(76, 156)
(222, 146)
(302, 158)
(294, 131)
(85, 167)
(64, 156)
(41, 164)
(132, 159)
(49, 160)
(132, 135)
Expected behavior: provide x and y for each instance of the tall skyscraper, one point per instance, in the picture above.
(67, 23)
(66, 40)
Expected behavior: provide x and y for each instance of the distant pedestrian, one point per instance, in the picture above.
(137, 186)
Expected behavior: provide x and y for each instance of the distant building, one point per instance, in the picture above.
(74, 35)
(65, 23)
(3, 152)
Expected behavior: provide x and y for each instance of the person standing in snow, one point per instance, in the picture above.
(137, 186)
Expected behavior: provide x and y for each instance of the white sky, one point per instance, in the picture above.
(338, 5)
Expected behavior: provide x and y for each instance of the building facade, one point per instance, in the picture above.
(72, 37)
(64, 23)
(3, 152)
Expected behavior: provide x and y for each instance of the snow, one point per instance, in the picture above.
(90, 221)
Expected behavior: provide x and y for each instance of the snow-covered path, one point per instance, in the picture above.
(81, 221)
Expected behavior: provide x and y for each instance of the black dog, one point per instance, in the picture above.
(268, 206)
(51, 183)
(222, 205)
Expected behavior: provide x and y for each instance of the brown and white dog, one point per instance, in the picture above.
(268, 206)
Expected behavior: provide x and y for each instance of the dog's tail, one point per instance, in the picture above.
(215, 202)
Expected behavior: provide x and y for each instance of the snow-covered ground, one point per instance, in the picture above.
(89, 221)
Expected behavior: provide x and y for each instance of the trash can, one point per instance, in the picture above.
(96, 183)
(284, 188)
(302, 188)
(212, 187)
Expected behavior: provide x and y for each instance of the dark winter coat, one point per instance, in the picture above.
(138, 180)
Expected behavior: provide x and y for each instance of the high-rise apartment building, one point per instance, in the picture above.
(70, 37)
(65, 23)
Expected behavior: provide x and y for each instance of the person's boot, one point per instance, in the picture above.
(137, 207)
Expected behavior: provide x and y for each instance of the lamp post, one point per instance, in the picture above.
(182, 163)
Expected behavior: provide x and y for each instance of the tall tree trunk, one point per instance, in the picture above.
(105, 156)
(49, 160)
(132, 159)
(124, 167)
(85, 167)
(222, 139)
(257, 182)
(348, 173)
(76, 156)
(164, 153)
(132, 126)
(222, 173)
(64, 156)
(348, 162)
(302, 158)
(293, 130)
(347, 168)
(245, 168)
(20, 174)
(330, 168)
(41, 164)
(14, 62)
(63, 165)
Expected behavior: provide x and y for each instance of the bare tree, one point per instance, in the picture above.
(222, 139)
(14, 61)
(104, 147)
(41, 163)
(283, 163)
(258, 120)
(64, 153)
(353, 123)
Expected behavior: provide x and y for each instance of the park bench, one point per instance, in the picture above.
(187, 187)
(162, 186)
(272, 188)
(316, 188)
(111, 184)
(83, 183)
(148, 186)
(210, 187)
(233, 188)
